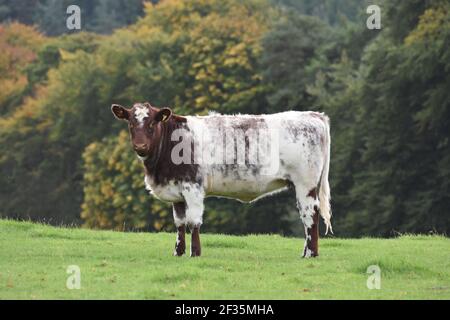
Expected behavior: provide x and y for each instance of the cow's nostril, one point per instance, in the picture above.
(140, 146)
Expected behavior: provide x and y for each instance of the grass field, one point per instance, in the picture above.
(114, 265)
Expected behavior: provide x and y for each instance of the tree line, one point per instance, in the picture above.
(63, 159)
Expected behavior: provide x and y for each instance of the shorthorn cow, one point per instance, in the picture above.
(243, 157)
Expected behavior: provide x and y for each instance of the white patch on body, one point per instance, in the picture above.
(170, 192)
(194, 196)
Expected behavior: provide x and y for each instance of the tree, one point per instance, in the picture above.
(40, 179)
(291, 58)
(389, 138)
(17, 10)
(19, 45)
(403, 185)
(333, 12)
(112, 172)
(109, 15)
(51, 17)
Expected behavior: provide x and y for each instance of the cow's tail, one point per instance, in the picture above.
(324, 188)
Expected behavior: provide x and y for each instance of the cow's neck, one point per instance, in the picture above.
(160, 166)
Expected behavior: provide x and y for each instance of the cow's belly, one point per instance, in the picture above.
(244, 190)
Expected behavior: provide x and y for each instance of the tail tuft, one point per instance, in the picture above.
(324, 192)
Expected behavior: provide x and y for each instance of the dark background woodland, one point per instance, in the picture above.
(65, 160)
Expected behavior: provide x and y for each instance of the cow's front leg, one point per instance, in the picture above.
(194, 196)
(179, 215)
(196, 248)
(308, 206)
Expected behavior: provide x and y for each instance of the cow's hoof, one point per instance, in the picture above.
(195, 253)
(309, 254)
(309, 257)
(177, 254)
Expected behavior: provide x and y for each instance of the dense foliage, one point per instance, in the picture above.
(18, 45)
(64, 158)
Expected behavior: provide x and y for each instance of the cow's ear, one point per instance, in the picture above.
(163, 115)
(120, 112)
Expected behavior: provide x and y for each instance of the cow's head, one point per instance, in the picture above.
(144, 123)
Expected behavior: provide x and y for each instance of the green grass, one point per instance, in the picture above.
(116, 265)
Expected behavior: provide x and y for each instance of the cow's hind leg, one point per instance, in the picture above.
(179, 215)
(308, 207)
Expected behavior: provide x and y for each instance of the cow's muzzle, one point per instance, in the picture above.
(141, 149)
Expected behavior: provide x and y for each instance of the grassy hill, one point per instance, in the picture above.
(115, 265)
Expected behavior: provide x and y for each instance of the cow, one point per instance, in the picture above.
(189, 158)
